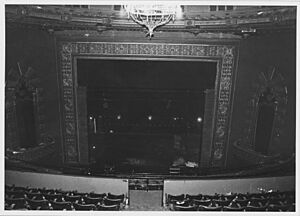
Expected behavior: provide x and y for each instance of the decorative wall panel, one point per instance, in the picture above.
(223, 54)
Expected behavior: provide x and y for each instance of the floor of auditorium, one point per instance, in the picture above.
(146, 200)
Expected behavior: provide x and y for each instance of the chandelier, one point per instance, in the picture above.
(151, 16)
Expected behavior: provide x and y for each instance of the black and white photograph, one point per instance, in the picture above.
(149, 106)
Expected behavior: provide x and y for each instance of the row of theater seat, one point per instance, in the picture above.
(21, 198)
(271, 201)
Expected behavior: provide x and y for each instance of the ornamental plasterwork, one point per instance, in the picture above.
(274, 80)
(224, 54)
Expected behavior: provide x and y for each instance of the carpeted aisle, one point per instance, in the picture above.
(142, 200)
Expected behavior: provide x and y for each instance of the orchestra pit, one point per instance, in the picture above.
(150, 107)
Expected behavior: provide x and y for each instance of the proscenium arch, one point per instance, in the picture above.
(224, 55)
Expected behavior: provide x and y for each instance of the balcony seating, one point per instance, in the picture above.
(271, 201)
(21, 198)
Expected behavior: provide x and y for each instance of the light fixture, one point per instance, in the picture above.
(199, 119)
(149, 117)
(260, 12)
(152, 15)
(119, 117)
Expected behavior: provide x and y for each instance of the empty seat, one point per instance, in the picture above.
(114, 196)
(242, 196)
(107, 201)
(255, 208)
(39, 204)
(211, 197)
(241, 202)
(52, 197)
(35, 196)
(91, 200)
(210, 208)
(184, 208)
(8, 187)
(72, 198)
(186, 202)
(202, 202)
(198, 197)
(108, 207)
(16, 203)
(84, 207)
(256, 195)
(292, 207)
(61, 205)
(278, 205)
(230, 196)
(19, 188)
(222, 202)
(257, 202)
(34, 190)
(175, 198)
(96, 195)
(47, 190)
(260, 201)
(15, 194)
(230, 208)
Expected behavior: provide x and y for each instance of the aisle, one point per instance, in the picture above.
(146, 194)
(142, 200)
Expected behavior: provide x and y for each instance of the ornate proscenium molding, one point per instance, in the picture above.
(224, 55)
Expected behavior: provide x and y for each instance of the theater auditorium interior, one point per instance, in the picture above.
(150, 107)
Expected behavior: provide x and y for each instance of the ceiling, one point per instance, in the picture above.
(195, 19)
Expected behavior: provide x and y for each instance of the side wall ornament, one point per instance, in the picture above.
(269, 88)
(23, 85)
